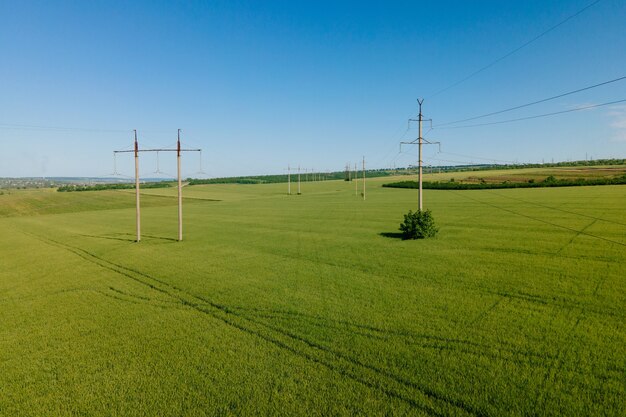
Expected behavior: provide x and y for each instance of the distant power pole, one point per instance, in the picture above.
(363, 177)
(356, 181)
(419, 141)
(298, 179)
(288, 179)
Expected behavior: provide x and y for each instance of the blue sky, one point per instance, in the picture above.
(259, 85)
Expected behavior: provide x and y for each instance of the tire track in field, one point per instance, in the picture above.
(49, 294)
(575, 236)
(351, 368)
(419, 340)
(601, 281)
(485, 312)
(557, 364)
(539, 220)
(114, 291)
(561, 303)
(557, 209)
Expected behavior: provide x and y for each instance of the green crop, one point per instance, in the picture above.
(313, 304)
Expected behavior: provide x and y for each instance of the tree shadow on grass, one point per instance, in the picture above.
(392, 235)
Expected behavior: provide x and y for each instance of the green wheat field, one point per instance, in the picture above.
(311, 304)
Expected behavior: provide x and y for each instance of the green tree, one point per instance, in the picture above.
(418, 225)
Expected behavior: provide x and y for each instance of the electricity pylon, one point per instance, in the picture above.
(419, 141)
(178, 151)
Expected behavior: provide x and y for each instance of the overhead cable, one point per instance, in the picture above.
(593, 106)
(59, 128)
(478, 157)
(533, 103)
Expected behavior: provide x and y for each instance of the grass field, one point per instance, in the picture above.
(312, 305)
(526, 174)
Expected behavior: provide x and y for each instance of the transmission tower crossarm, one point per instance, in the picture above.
(160, 150)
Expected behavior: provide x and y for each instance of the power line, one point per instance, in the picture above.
(394, 138)
(533, 103)
(465, 163)
(60, 128)
(434, 157)
(542, 34)
(478, 157)
(537, 116)
(13, 126)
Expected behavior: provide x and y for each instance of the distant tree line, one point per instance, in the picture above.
(550, 181)
(383, 172)
(265, 179)
(273, 179)
(100, 187)
(486, 167)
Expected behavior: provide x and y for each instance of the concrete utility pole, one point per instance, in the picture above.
(419, 141)
(298, 179)
(137, 205)
(288, 180)
(178, 151)
(364, 178)
(356, 181)
(180, 191)
(419, 198)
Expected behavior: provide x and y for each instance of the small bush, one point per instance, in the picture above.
(418, 225)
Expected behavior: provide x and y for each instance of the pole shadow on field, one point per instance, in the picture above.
(391, 235)
(128, 239)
